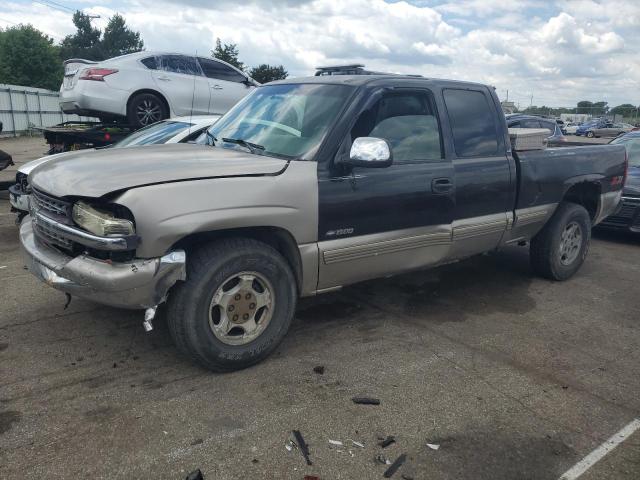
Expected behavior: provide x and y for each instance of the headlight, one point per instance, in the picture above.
(101, 222)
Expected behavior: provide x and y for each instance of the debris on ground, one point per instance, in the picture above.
(311, 477)
(197, 441)
(433, 446)
(319, 369)
(290, 445)
(195, 475)
(406, 476)
(387, 441)
(357, 444)
(366, 401)
(395, 466)
(336, 442)
(304, 448)
(382, 459)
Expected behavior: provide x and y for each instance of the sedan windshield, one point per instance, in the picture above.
(632, 144)
(159, 132)
(281, 120)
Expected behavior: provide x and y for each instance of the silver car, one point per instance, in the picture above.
(609, 130)
(146, 87)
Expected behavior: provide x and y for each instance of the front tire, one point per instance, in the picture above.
(591, 134)
(236, 305)
(558, 251)
(145, 109)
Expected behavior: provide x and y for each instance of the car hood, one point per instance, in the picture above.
(99, 172)
(632, 185)
(29, 166)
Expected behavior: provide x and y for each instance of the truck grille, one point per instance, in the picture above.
(51, 205)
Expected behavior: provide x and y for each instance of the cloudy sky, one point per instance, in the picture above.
(558, 51)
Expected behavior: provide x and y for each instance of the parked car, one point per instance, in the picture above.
(146, 87)
(571, 128)
(174, 130)
(628, 216)
(604, 129)
(556, 136)
(305, 186)
(5, 159)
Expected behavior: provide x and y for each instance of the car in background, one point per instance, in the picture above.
(174, 130)
(570, 128)
(147, 87)
(604, 129)
(556, 138)
(628, 215)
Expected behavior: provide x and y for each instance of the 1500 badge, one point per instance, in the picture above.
(339, 232)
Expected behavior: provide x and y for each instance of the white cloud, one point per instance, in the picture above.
(561, 52)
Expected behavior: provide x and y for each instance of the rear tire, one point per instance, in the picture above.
(591, 134)
(202, 309)
(145, 109)
(558, 251)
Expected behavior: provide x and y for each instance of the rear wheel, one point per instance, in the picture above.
(558, 251)
(145, 109)
(235, 306)
(591, 134)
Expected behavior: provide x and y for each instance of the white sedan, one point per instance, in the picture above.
(146, 87)
(173, 130)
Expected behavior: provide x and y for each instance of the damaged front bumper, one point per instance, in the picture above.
(137, 284)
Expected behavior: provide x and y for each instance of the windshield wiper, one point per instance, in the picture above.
(253, 147)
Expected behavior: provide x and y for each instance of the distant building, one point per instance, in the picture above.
(508, 107)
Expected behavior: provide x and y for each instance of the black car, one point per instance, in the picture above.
(531, 121)
(628, 215)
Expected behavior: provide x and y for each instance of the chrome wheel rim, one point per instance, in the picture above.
(148, 112)
(570, 243)
(241, 308)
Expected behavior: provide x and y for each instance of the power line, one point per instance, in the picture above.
(8, 21)
(53, 5)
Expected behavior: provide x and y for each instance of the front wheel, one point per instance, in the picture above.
(591, 134)
(558, 251)
(235, 306)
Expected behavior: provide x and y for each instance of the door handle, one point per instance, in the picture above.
(216, 87)
(164, 79)
(441, 185)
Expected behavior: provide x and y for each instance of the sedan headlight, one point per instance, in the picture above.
(101, 222)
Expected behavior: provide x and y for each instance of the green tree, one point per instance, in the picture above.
(227, 52)
(592, 108)
(268, 73)
(85, 43)
(118, 39)
(28, 57)
(626, 110)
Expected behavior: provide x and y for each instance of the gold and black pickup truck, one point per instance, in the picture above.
(305, 186)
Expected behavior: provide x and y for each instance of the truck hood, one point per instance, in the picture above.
(98, 172)
(632, 185)
(28, 167)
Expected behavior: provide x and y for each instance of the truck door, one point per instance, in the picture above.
(484, 193)
(377, 221)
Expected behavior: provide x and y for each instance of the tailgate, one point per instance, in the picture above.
(72, 69)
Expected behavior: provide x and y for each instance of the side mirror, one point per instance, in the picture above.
(370, 152)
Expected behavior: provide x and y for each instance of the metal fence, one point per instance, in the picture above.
(24, 109)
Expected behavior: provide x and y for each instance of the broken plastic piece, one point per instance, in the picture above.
(357, 444)
(149, 314)
(395, 466)
(366, 401)
(289, 445)
(387, 441)
(433, 446)
(195, 475)
(336, 442)
(382, 459)
(319, 369)
(304, 448)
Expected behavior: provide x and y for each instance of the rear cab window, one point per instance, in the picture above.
(473, 122)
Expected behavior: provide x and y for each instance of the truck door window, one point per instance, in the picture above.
(408, 122)
(472, 122)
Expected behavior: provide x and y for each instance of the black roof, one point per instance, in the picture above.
(359, 80)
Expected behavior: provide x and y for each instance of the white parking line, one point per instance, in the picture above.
(587, 462)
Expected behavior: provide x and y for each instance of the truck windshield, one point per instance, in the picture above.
(281, 120)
